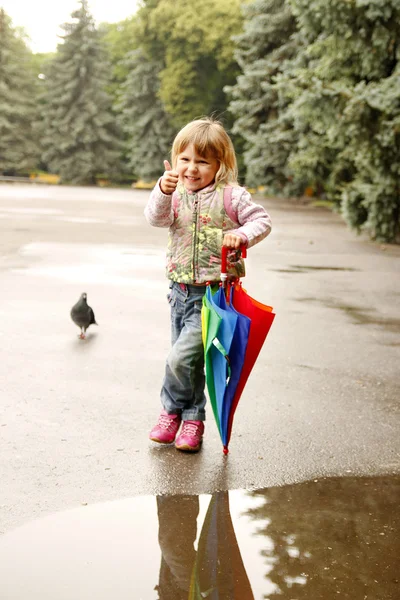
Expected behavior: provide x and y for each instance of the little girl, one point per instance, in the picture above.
(189, 199)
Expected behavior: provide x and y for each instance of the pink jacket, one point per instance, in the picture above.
(198, 222)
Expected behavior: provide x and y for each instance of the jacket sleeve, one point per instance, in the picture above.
(255, 222)
(159, 211)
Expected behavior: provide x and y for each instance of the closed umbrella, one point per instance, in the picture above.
(233, 335)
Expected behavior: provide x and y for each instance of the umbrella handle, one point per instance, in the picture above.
(224, 253)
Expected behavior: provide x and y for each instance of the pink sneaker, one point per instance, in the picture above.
(166, 429)
(191, 436)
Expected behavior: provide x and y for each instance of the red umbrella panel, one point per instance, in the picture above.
(261, 318)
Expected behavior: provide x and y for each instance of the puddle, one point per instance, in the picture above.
(310, 268)
(359, 315)
(364, 316)
(319, 540)
(307, 269)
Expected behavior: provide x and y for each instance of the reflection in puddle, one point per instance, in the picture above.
(339, 536)
(319, 540)
(216, 569)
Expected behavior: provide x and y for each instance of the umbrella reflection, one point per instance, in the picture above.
(219, 572)
(216, 571)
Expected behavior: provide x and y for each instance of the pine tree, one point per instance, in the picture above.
(318, 104)
(19, 151)
(345, 106)
(81, 137)
(269, 40)
(143, 119)
(371, 200)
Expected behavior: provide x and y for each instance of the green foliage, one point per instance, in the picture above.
(18, 90)
(371, 200)
(176, 71)
(120, 40)
(319, 104)
(262, 52)
(345, 106)
(196, 51)
(39, 63)
(80, 138)
(143, 119)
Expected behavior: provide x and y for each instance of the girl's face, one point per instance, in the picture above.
(196, 172)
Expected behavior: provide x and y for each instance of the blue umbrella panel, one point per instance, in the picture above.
(218, 344)
(236, 358)
(224, 356)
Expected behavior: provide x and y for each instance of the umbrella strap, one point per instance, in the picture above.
(224, 353)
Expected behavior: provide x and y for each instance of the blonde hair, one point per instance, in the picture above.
(209, 138)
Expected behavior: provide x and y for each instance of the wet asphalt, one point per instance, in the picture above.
(320, 539)
(322, 403)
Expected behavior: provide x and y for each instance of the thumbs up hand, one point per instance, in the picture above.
(169, 180)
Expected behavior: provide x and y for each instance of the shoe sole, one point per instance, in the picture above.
(187, 448)
(161, 441)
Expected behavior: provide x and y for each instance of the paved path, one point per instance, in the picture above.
(323, 398)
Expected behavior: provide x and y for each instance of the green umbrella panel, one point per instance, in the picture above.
(210, 321)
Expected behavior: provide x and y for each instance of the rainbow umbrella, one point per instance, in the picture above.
(233, 335)
(218, 329)
(219, 572)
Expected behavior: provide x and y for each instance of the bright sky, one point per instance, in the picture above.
(41, 18)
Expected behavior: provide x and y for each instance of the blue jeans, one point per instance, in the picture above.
(183, 386)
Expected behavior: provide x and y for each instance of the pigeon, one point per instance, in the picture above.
(82, 315)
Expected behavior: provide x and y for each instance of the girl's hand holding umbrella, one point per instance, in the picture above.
(231, 240)
(169, 180)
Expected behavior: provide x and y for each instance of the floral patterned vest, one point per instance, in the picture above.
(195, 237)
